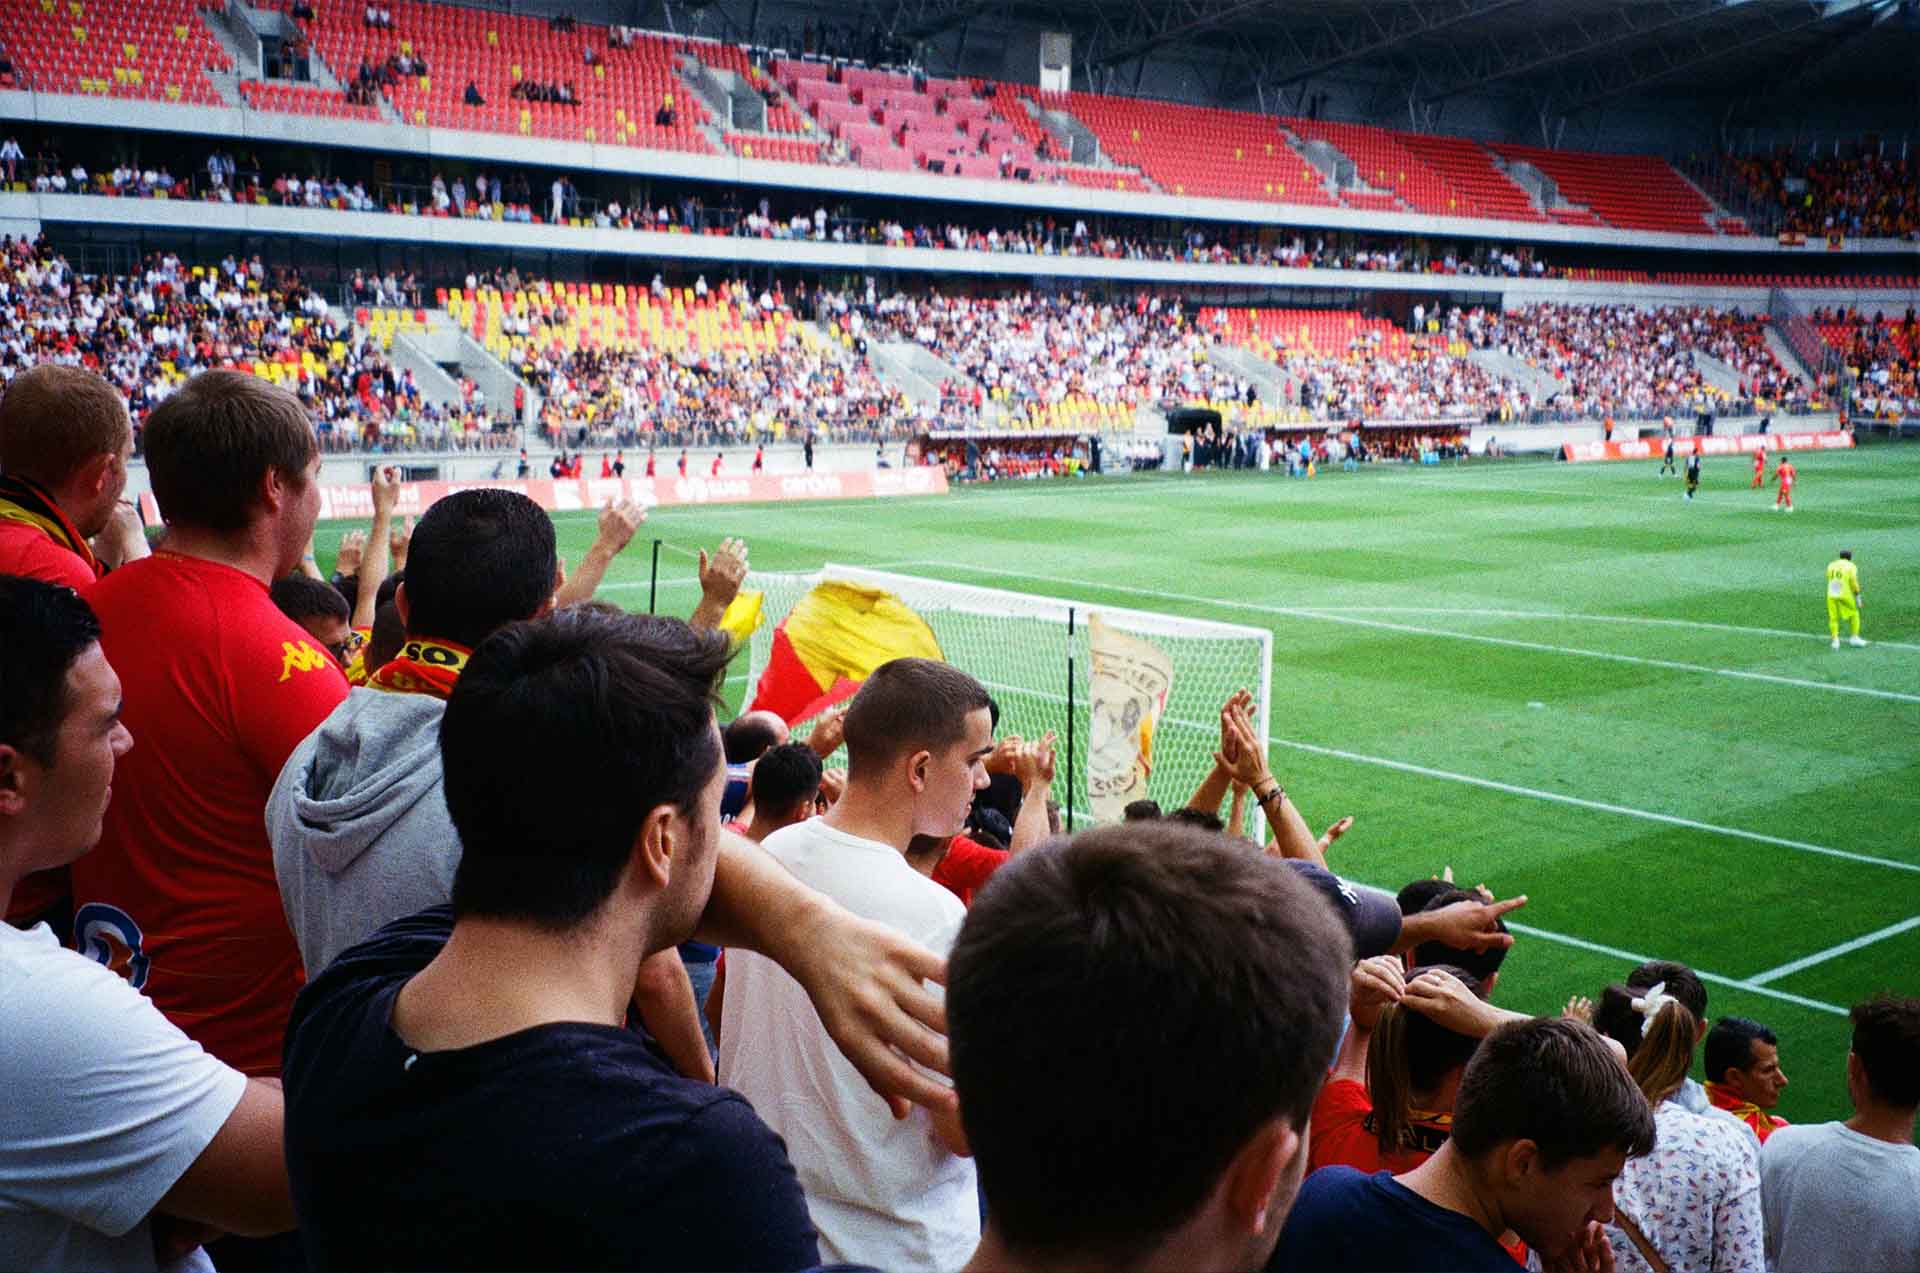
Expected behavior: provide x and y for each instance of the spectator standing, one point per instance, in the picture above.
(220, 686)
(1144, 937)
(122, 1140)
(431, 1066)
(1694, 1201)
(1543, 1123)
(64, 445)
(882, 1191)
(1841, 1195)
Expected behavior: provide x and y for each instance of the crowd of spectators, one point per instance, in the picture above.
(806, 385)
(149, 330)
(1867, 193)
(358, 981)
(1882, 358)
(1621, 360)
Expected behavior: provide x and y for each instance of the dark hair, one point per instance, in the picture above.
(747, 737)
(479, 559)
(1730, 1045)
(1886, 1038)
(301, 597)
(1846, 554)
(1414, 897)
(1681, 982)
(211, 441)
(785, 776)
(389, 634)
(54, 418)
(1409, 1053)
(1199, 818)
(1659, 1051)
(1141, 811)
(1551, 1081)
(1483, 964)
(1085, 976)
(44, 629)
(909, 705)
(619, 706)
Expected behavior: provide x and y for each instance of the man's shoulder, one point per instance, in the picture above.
(26, 550)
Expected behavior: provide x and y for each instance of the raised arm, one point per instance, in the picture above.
(720, 578)
(619, 520)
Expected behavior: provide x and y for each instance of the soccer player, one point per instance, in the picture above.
(760, 459)
(1843, 595)
(1666, 459)
(1693, 475)
(1759, 468)
(1784, 474)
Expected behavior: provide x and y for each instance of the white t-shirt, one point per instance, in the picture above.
(1835, 1199)
(882, 1192)
(106, 1104)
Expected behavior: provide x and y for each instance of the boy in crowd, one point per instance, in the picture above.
(462, 1088)
(1067, 944)
(882, 1191)
(123, 1144)
(1544, 1120)
(1841, 1195)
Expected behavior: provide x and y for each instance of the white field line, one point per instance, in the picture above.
(1298, 612)
(1571, 617)
(1628, 956)
(1833, 952)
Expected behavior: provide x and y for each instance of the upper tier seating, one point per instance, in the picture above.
(1629, 192)
(306, 99)
(155, 50)
(1197, 150)
(620, 95)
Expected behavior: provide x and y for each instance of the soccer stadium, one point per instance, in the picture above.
(1214, 529)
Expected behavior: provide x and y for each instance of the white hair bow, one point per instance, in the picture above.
(1656, 998)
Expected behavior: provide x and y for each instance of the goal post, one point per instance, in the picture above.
(1024, 647)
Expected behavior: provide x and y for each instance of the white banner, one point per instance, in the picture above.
(1131, 678)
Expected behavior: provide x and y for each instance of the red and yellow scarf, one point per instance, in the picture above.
(1763, 1123)
(24, 501)
(423, 667)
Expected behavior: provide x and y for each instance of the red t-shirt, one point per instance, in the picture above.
(968, 866)
(218, 688)
(28, 551)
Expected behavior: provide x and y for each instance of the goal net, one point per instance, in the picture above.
(1021, 646)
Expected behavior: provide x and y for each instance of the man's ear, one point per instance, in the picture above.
(916, 766)
(94, 473)
(404, 606)
(16, 783)
(655, 846)
(1518, 1159)
(1255, 1175)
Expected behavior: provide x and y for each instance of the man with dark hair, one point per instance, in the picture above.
(64, 444)
(882, 1191)
(318, 607)
(786, 783)
(220, 688)
(1544, 1119)
(1483, 962)
(118, 1127)
(1841, 1195)
(431, 1066)
(1144, 937)
(745, 739)
(1744, 1077)
(1141, 811)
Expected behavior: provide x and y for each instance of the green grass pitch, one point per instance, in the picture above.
(1564, 681)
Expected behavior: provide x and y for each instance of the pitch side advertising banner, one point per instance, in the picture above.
(573, 494)
(1736, 444)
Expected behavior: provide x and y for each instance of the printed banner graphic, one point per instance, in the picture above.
(1734, 444)
(1131, 678)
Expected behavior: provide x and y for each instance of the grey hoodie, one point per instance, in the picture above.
(359, 824)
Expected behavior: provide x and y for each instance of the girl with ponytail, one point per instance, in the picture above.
(1693, 1204)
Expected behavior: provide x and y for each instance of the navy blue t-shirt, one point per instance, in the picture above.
(562, 1146)
(1350, 1221)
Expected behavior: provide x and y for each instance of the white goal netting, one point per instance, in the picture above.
(1018, 645)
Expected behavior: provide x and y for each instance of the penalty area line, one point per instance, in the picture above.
(1833, 952)
(1735, 983)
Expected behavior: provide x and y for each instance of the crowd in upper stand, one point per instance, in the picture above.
(1867, 193)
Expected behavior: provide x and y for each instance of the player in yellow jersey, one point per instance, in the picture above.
(1843, 597)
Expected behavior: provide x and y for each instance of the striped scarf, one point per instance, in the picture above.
(25, 502)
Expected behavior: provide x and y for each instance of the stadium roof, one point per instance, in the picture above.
(1566, 56)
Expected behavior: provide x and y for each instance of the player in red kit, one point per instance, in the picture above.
(715, 471)
(1759, 469)
(683, 461)
(759, 459)
(1784, 475)
(649, 463)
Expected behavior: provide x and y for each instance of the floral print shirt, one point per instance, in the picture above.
(1696, 1197)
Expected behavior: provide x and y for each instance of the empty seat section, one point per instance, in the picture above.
(156, 50)
(1196, 150)
(1630, 192)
